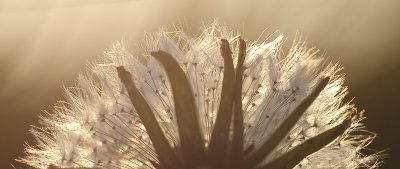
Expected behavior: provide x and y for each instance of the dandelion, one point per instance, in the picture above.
(194, 103)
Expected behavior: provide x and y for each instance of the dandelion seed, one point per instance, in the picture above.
(194, 103)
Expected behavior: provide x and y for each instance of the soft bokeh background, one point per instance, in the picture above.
(45, 43)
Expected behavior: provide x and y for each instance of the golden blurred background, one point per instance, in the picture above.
(44, 44)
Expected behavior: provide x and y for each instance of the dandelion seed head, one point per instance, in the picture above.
(98, 126)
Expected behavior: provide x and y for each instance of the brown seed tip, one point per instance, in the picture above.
(156, 53)
(321, 84)
(225, 49)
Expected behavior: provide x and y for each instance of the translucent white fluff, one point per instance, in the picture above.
(97, 126)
